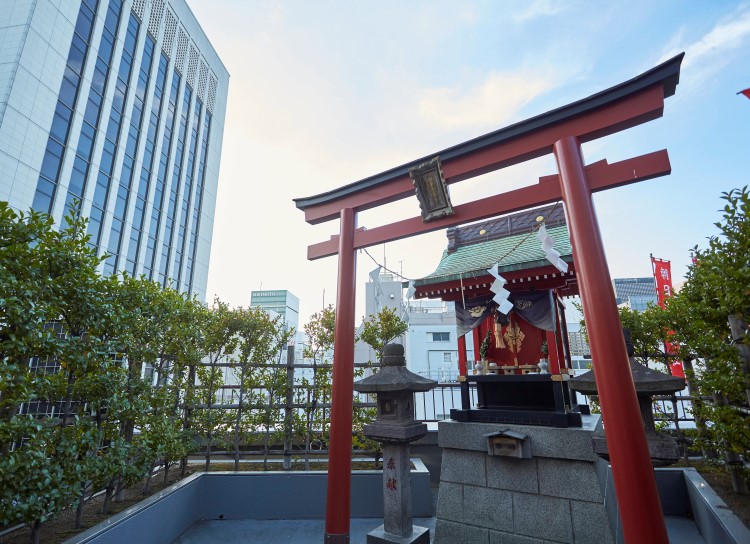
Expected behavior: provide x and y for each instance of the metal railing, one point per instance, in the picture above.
(436, 404)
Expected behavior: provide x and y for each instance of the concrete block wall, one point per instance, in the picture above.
(553, 497)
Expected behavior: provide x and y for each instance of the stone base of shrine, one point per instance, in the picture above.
(554, 496)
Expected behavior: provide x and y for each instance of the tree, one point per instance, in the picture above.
(260, 338)
(55, 313)
(377, 332)
(320, 335)
(144, 318)
(220, 342)
(715, 293)
(648, 332)
(381, 328)
(25, 308)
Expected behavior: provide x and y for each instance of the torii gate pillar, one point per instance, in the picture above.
(632, 471)
(340, 446)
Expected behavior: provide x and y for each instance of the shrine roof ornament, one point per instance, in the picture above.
(666, 75)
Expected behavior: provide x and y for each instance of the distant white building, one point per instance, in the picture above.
(285, 304)
(430, 344)
(432, 341)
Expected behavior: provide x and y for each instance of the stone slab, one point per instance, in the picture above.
(513, 474)
(448, 532)
(418, 535)
(450, 504)
(590, 523)
(464, 467)
(487, 507)
(567, 443)
(569, 479)
(542, 517)
(497, 537)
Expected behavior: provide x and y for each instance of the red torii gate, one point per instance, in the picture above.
(560, 131)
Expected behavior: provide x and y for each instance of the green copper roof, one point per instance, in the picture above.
(519, 252)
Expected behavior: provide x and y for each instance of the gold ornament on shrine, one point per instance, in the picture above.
(499, 335)
(514, 336)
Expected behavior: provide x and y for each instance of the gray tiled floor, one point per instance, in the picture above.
(298, 531)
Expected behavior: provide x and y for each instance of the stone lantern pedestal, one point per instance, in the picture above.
(395, 427)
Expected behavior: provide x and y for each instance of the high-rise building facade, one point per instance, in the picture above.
(636, 293)
(282, 302)
(115, 109)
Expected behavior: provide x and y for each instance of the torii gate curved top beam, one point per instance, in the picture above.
(623, 106)
(561, 132)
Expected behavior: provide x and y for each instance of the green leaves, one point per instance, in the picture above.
(382, 328)
(72, 345)
(717, 286)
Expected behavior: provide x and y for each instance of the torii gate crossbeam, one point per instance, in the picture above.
(561, 132)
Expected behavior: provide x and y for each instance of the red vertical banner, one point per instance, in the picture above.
(663, 277)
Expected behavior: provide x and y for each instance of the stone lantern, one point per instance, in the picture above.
(395, 427)
(663, 449)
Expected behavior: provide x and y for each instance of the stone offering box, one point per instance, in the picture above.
(541, 399)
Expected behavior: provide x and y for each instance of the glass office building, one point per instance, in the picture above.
(637, 293)
(115, 109)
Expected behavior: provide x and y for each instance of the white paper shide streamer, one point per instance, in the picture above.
(550, 252)
(501, 293)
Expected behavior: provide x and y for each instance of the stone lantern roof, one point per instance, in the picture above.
(393, 376)
(647, 381)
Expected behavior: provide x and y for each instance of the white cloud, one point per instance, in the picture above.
(492, 103)
(707, 55)
(723, 37)
(540, 8)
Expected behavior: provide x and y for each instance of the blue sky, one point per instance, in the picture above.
(325, 93)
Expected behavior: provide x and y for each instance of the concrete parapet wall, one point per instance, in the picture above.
(247, 495)
(553, 497)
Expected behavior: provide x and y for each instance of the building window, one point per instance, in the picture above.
(441, 336)
(447, 356)
(66, 98)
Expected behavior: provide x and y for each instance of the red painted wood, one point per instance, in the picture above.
(462, 355)
(531, 346)
(635, 486)
(340, 448)
(552, 357)
(626, 113)
(602, 176)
